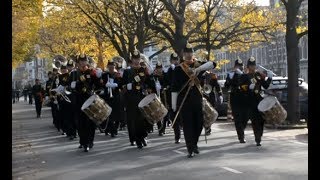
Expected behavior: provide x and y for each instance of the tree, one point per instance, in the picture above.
(292, 40)
(68, 33)
(210, 24)
(26, 16)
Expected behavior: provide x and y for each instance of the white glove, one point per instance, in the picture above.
(238, 71)
(173, 66)
(55, 102)
(221, 99)
(174, 97)
(129, 86)
(47, 98)
(99, 72)
(158, 85)
(269, 74)
(73, 84)
(231, 74)
(114, 85)
(109, 85)
(251, 86)
(101, 93)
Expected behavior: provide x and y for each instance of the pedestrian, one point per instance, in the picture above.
(38, 93)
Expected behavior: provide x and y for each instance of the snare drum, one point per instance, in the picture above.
(273, 112)
(96, 109)
(152, 108)
(210, 115)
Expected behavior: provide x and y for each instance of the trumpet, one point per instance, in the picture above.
(61, 90)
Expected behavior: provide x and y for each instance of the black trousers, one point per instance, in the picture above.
(115, 116)
(30, 98)
(86, 127)
(38, 104)
(55, 115)
(192, 120)
(257, 122)
(177, 125)
(240, 115)
(137, 125)
(66, 115)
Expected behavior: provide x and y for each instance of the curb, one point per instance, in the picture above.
(270, 126)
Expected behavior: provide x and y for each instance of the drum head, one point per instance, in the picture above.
(146, 100)
(88, 102)
(267, 103)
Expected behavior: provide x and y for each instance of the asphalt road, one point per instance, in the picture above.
(40, 152)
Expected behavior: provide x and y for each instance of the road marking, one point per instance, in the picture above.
(179, 152)
(27, 110)
(231, 170)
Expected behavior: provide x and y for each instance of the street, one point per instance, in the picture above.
(39, 151)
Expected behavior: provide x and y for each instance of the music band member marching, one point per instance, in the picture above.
(252, 83)
(186, 89)
(160, 84)
(112, 84)
(137, 83)
(84, 86)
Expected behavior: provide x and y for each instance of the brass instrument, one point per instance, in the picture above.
(61, 90)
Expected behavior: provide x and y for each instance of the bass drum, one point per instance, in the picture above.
(273, 112)
(96, 109)
(210, 115)
(152, 108)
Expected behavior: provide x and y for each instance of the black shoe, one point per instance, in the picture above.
(144, 142)
(86, 149)
(196, 151)
(80, 146)
(190, 155)
(140, 146)
(91, 145)
(258, 141)
(177, 141)
(258, 144)
(112, 135)
(63, 133)
(160, 134)
(242, 141)
(133, 143)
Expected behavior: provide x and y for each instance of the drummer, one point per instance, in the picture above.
(137, 84)
(254, 80)
(83, 85)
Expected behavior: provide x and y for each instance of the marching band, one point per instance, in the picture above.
(84, 98)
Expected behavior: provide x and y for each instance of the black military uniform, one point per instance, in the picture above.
(112, 82)
(136, 81)
(160, 79)
(252, 83)
(216, 93)
(38, 93)
(238, 99)
(169, 77)
(52, 83)
(74, 74)
(191, 111)
(84, 86)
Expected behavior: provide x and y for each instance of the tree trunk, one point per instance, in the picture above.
(100, 63)
(292, 62)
